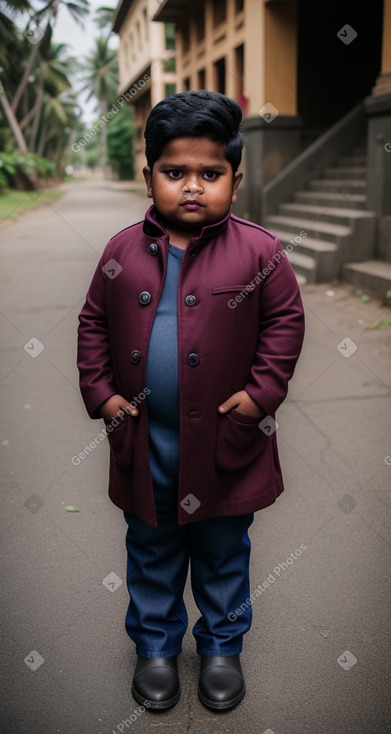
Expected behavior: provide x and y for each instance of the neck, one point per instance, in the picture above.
(180, 237)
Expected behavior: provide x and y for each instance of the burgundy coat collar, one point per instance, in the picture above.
(154, 227)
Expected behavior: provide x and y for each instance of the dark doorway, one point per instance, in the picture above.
(336, 68)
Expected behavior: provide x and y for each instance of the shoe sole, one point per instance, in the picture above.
(156, 705)
(223, 705)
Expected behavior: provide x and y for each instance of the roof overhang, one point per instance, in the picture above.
(170, 10)
(120, 14)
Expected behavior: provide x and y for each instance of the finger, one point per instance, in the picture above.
(228, 405)
(130, 409)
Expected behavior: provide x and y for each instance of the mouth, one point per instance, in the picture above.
(191, 205)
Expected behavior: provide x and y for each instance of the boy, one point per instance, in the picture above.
(190, 332)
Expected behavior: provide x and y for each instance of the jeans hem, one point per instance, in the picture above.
(153, 654)
(220, 653)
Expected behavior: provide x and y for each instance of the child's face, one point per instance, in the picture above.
(192, 184)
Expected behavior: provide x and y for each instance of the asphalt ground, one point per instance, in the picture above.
(317, 657)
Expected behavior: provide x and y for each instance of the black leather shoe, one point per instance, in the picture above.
(221, 683)
(156, 683)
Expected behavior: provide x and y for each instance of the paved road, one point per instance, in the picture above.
(317, 657)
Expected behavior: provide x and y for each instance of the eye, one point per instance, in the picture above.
(211, 175)
(175, 174)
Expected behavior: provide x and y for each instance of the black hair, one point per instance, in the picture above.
(200, 113)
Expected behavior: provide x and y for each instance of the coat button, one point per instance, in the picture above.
(144, 298)
(135, 356)
(153, 248)
(190, 300)
(193, 360)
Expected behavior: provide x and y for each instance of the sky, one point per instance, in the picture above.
(68, 31)
(80, 41)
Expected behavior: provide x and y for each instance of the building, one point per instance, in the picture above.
(146, 63)
(314, 84)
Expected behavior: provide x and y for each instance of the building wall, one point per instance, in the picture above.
(246, 49)
(142, 54)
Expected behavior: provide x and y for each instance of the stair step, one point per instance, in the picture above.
(303, 266)
(305, 261)
(335, 215)
(353, 160)
(350, 172)
(301, 279)
(371, 275)
(327, 198)
(327, 230)
(306, 244)
(324, 254)
(338, 186)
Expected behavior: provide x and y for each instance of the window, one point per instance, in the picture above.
(185, 32)
(219, 12)
(169, 34)
(169, 89)
(219, 67)
(186, 84)
(239, 69)
(169, 64)
(146, 25)
(138, 32)
(199, 20)
(201, 79)
(239, 5)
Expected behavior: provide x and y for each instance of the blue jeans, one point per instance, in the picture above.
(158, 561)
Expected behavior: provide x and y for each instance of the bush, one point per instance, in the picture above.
(23, 170)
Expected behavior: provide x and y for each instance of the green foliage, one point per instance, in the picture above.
(120, 132)
(23, 171)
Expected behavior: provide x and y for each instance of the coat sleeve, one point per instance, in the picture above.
(93, 349)
(281, 333)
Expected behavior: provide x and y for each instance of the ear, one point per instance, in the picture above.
(148, 180)
(237, 179)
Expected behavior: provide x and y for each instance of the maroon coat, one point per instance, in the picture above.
(242, 329)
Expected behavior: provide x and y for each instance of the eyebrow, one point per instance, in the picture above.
(183, 166)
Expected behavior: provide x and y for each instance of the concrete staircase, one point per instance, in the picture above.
(327, 225)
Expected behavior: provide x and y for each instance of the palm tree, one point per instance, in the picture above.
(104, 18)
(101, 79)
(12, 52)
(51, 74)
(46, 16)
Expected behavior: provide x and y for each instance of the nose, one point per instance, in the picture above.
(191, 189)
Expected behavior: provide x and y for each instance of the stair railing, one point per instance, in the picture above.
(339, 140)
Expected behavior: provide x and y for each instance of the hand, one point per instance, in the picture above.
(114, 405)
(243, 403)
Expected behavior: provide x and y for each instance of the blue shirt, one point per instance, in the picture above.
(162, 380)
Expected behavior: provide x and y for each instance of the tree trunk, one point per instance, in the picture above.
(103, 137)
(34, 126)
(42, 139)
(25, 78)
(13, 123)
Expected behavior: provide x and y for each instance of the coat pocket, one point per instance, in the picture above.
(121, 441)
(239, 441)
